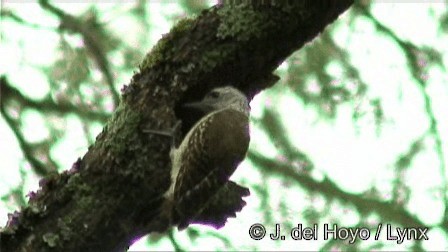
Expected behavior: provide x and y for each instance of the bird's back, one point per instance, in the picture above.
(207, 157)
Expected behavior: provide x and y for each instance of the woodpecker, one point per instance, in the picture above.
(208, 155)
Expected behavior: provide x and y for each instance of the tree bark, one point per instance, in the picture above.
(111, 196)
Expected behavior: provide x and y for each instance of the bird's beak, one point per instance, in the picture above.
(202, 106)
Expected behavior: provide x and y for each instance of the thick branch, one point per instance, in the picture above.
(112, 195)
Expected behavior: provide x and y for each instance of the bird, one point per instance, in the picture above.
(207, 156)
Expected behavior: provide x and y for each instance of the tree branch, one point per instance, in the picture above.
(92, 39)
(10, 93)
(414, 56)
(113, 194)
(388, 211)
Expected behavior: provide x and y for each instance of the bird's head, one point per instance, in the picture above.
(222, 98)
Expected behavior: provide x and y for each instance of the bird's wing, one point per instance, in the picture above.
(214, 150)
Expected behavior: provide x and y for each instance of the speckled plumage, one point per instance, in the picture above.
(209, 153)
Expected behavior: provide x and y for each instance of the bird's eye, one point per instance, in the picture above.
(214, 94)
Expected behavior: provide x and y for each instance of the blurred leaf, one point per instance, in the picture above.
(71, 66)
